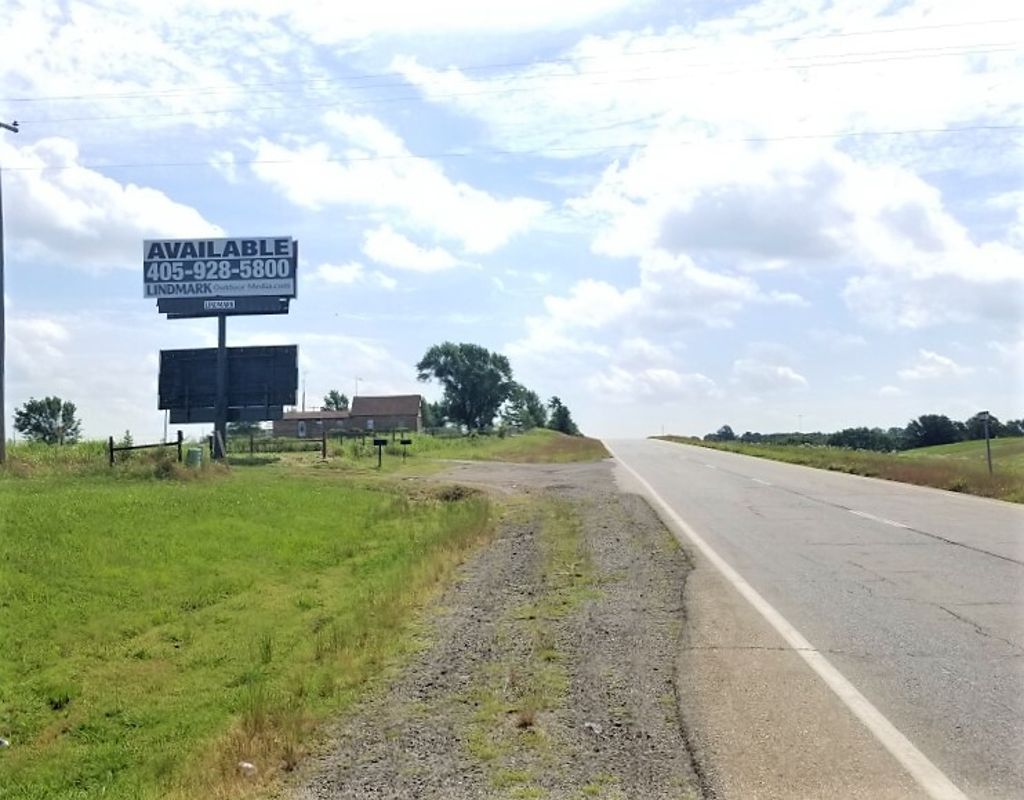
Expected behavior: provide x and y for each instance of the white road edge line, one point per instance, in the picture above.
(758, 480)
(929, 777)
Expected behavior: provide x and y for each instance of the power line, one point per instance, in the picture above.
(259, 86)
(882, 57)
(521, 153)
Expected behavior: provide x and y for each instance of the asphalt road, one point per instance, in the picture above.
(915, 596)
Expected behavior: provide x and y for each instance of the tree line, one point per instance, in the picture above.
(927, 430)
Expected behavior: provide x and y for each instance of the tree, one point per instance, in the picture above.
(929, 430)
(975, 427)
(561, 419)
(433, 415)
(524, 409)
(723, 434)
(50, 420)
(476, 381)
(335, 401)
(862, 439)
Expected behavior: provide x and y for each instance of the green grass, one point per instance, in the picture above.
(155, 633)
(1007, 455)
(539, 446)
(960, 467)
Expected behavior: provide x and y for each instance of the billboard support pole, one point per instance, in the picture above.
(13, 127)
(220, 429)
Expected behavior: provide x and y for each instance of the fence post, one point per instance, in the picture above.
(110, 444)
(252, 443)
(323, 443)
(181, 439)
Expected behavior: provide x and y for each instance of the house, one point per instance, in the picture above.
(400, 412)
(367, 415)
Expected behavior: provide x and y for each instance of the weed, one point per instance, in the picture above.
(265, 647)
(526, 717)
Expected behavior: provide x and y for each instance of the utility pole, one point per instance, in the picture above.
(13, 128)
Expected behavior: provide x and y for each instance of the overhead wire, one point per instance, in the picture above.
(807, 63)
(524, 152)
(258, 86)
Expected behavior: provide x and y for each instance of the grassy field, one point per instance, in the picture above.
(159, 626)
(960, 467)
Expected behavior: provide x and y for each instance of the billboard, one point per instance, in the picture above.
(258, 377)
(217, 268)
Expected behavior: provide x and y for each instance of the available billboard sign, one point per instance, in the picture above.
(216, 268)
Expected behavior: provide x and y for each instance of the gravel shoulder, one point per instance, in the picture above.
(551, 665)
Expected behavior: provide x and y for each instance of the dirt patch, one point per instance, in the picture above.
(551, 666)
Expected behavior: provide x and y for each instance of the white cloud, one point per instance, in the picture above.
(352, 274)
(66, 213)
(768, 69)
(657, 384)
(838, 340)
(224, 162)
(1011, 353)
(759, 377)
(892, 391)
(310, 175)
(910, 263)
(673, 296)
(325, 22)
(385, 246)
(344, 274)
(932, 366)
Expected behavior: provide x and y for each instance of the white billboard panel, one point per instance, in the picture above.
(207, 268)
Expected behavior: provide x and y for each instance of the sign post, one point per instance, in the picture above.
(220, 426)
(988, 444)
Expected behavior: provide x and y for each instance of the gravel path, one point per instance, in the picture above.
(551, 669)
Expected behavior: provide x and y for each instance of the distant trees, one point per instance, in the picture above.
(866, 439)
(929, 430)
(50, 420)
(925, 431)
(335, 401)
(723, 434)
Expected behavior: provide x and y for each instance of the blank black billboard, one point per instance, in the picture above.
(257, 377)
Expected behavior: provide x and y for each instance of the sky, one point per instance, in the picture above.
(674, 216)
